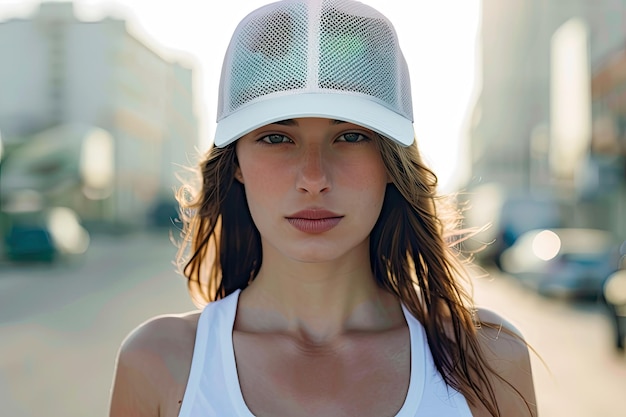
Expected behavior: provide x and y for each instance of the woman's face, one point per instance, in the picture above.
(315, 187)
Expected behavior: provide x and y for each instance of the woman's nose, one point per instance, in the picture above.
(313, 176)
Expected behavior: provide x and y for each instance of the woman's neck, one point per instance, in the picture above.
(316, 302)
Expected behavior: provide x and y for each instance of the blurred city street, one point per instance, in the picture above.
(61, 326)
(520, 106)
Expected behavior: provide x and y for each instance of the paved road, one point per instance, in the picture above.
(60, 328)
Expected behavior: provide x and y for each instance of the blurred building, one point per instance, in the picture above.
(94, 119)
(605, 171)
(513, 123)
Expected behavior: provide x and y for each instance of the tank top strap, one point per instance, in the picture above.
(208, 368)
(435, 397)
(418, 366)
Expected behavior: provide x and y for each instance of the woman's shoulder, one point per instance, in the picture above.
(163, 340)
(500, 337)
(508, 353)
(160, 331)
(153, 365)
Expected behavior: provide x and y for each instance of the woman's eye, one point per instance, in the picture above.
(353, 137)
(275, 139)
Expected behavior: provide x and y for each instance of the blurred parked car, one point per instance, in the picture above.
(568, 263)
(614, 295)
(54, 235)
(30, 244)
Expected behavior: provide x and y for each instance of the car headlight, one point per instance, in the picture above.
(546, 245)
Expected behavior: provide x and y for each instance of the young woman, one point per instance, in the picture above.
(318, 249)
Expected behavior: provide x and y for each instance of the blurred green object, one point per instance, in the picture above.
(30, 244)
(45, 235)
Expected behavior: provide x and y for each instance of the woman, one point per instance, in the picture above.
(320, 248)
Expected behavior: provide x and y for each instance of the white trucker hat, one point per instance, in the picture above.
(337, 59)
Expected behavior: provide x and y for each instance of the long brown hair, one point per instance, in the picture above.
(413, 254)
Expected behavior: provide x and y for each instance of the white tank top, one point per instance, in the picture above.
(213, 387)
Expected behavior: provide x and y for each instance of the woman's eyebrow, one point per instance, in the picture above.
(286, 122)
(293, 122)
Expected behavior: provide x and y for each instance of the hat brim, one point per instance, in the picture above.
(348, 108)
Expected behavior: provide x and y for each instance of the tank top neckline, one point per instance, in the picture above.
(416, 380)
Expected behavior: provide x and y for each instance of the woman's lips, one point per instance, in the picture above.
(314, 225)
(314, 221)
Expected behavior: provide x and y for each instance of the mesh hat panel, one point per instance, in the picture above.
(356, 54)
(269, 55)
(295, 58)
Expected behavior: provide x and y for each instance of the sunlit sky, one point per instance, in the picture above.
(438, 39)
